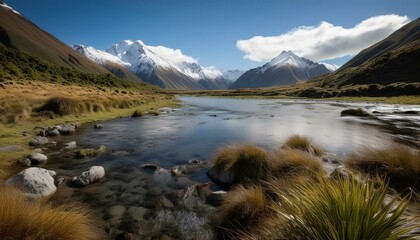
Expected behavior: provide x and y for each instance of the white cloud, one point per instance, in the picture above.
(174, 56)
(324, 41)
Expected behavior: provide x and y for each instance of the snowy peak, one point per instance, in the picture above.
(331, 67)
(8, 7)
(98, 56)
(288, 58)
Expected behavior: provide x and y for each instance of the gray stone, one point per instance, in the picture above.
(52, 131)
(66, 129)
(35, 182)
(95, 174)
(37, 158)
(216, 198)
(98, 126)
(26, 162)
(70, 145)
(59, 181)
(38, 141)
(137, 213)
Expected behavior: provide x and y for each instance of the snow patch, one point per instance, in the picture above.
(10, 8)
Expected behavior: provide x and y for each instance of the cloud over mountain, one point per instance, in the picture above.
(322, 42)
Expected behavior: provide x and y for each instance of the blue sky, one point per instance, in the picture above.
(207, 30)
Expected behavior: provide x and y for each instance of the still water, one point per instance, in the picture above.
(195, 131)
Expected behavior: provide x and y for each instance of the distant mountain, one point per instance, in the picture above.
(156, 68)
(232, 75)
(19, 33)
(391, 62)
(285, 69)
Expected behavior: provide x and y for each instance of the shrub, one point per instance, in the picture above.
(241, 209)
(62, 106)
(396, 163)
(239, 163)
(20, 219)
(138, 113)
(302, 143)
(343, 209)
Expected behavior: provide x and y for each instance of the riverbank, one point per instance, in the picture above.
(22, 115)
(273, 93)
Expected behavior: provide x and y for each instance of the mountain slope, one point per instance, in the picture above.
(285, 69)
(19, 33)
(108, 61)
(396, 59)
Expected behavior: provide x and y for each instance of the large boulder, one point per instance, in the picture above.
(94, 174)
(38, 141)
(66, 129)
(34, 182)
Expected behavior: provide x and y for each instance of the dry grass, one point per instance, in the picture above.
(288, 162)
(302, 143)
(241, 210)
(20, 219)
(138, 113)
(396, 163)
(154, 112)
(344, 209)
(244, 162)
(63, 106)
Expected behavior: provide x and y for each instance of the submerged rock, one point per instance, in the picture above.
(35, 182)
(70, 145)
(358, 112)
(38, 141)
(95, 174)
(98, 126)
(90, 151)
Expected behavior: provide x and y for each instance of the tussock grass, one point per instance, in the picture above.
(243, 162)
(396, 163)
(154, 112)
(63, 106)
(20, 219)
(302, 143)
(241, 210)
(138, 113)
(343, 209)
(288, 162)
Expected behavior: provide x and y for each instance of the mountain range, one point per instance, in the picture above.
(285, 69)
(384, 67)
(148, 63)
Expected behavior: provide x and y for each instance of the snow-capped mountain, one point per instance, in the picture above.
(285, 69)
(331, 67)
(166, 67)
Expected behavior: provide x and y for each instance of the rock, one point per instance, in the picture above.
(37, 158)
(212, 115)
(95, 174)
(115, 214)
(35, 182)
(97, 126)
(70, 145)
(52, 132)
(358, 112)
(161, 202)
(203, 190)
(66, 129)
(26, 162)
(38, 141)
(339, 173)
(215, 198)
(59, 181)
(127, 236)
(90, 151)
(179, 170)
(150, 166)
(137, 213)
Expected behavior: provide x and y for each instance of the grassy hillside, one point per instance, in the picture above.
(19, 65)
(19, 33)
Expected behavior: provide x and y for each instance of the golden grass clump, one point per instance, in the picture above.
(138, 113)
(13, 112)
(396, 163)
(63, 106)
(327, 209)
(20, 219)
(303, 143)
(154, 112)
(239, 163)
(288, 162)
(241, 210)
